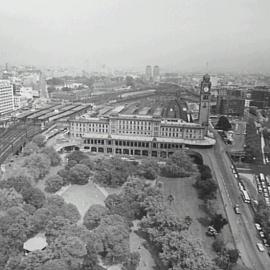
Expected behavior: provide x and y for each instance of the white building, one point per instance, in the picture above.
(6, 97)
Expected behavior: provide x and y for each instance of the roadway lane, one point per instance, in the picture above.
(242, 226)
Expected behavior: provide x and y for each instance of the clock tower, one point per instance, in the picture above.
(205, 93)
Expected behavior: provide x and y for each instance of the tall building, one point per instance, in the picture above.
(6, 97)
(156, 74)
(205, 93)
(148, 73)
(230, 102)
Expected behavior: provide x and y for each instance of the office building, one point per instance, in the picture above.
(6, 97)
(156, 74)
(148, 73)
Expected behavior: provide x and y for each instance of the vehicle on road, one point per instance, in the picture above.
(237, 209)
(260, 247)
(265, 242)
(261, 177)
(267, 201)
(258, 226)
(245, 196)
(241, 186)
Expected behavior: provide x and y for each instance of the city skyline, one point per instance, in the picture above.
(217, 36)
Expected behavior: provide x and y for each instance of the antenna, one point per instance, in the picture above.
(207, 70)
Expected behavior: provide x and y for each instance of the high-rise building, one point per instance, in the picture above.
(156, 74)
(6, 97)
(148, 73)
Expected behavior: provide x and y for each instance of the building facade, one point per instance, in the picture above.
(148, 73)
(158, 134)
(230, 102)
(205, 95)
(156, 74)
(6, 97)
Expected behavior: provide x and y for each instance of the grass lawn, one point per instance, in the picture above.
(83, 196)
(186, 203)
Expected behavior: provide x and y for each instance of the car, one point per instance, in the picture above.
(259, 188)
(266, 195)
(265, 242)
(234, 171)
(267, 201)
(237, 209)
(211, 231)
(261, 234)
(241, 186)
(258, 227)
(235, 175)
(260, 247)
(263, 184)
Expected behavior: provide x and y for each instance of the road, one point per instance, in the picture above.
(242, 226)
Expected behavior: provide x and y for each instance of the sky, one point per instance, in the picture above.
(177, 35)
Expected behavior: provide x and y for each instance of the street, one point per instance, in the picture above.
(242, 226)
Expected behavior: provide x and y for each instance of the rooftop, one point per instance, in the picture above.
(37, 242)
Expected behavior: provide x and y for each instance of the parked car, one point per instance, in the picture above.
(259, 188)
(261, 234)
(258, 227)
(260, 247)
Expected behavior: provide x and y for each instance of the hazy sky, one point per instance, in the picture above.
(180, 35)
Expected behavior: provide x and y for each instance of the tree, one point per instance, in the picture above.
(64, 173)
(79, 174)
(179, 251)
(58, 207)
(93, 216)
(39, 140)
(88, 162)
(206, 188)
(33, 196)
(218, 245)
(16, 182)
(77, 155)
(34, 260)
(223, 123)
(112, 239)
(38, 165)
(180, 164)
(132, 261)
(54, 183)
(54, 157)
(218, 222)
(55, 264)
(70, 249)
(205, 172)
(9, 197)
(30, 148)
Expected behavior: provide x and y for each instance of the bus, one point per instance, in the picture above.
(262, 178)
(245, 196)
(267, 179)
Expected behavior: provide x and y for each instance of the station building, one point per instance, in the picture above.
(151, 131)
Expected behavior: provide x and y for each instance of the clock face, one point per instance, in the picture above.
(206, 89)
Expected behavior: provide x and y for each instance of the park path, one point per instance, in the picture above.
(136, 244)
